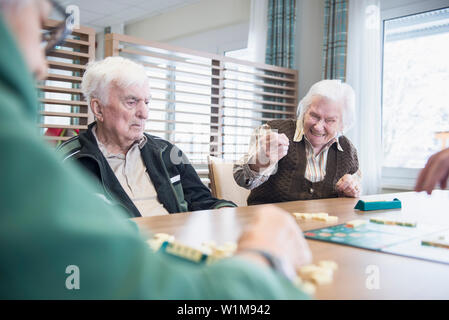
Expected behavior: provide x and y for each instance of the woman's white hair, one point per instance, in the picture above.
(336, 91)
(100, 75)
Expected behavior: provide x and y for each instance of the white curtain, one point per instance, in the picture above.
(364, 74)
(257, 36)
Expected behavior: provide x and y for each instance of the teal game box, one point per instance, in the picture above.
(378, 205)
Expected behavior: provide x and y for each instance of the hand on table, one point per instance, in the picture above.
(275, 231)
(436, 171)
(349, 186)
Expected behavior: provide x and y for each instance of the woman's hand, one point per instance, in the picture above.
(349, 186)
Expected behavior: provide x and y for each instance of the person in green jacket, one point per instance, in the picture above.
(52, 227)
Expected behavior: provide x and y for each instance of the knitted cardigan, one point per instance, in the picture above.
(289, 184)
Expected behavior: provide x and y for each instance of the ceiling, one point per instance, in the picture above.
(99, 14)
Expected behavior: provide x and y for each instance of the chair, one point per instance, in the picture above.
(222, 182)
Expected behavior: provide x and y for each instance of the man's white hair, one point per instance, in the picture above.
(333, 90)
(119, 71)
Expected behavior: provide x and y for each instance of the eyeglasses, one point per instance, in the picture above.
(57, 34)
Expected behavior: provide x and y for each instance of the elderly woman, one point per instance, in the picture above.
(309, 158)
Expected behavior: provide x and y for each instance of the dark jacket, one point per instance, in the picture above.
(164, 162)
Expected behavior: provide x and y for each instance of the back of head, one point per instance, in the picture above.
(7, 5)
(333, 90)
(119, 71)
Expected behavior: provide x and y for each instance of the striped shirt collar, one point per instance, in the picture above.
(299, 135)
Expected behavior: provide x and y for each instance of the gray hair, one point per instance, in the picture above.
(101, 74)
(336, 91)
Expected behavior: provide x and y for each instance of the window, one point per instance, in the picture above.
(63, 109)
(238, 122)
(251, 97)
(415, 92)
(207, 104)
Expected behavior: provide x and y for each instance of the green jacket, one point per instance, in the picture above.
(44, 227)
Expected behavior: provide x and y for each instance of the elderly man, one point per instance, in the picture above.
(54, 230)
(148, 175)
(305, 159)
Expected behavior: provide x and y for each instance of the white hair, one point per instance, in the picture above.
(99, 76)
(336, 91)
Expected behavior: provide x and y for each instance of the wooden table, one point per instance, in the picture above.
(399, 277)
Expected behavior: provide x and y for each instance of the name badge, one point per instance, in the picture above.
(175, 178)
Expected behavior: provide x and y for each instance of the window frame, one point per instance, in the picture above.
(400, 178)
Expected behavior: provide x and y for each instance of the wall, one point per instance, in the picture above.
(309, 42)
(99, 49)
(216, 41)
(197, 18)
(196, 27)
(99, 39)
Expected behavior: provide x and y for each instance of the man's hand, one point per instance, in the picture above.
(275, 231)
(271, 148)
(349, 186)
(435, 171)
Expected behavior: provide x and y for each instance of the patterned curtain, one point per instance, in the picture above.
(335, 39)
(281, 33)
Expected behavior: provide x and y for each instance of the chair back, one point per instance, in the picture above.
(222, 182)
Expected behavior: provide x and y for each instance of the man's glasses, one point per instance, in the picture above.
(57, 34)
